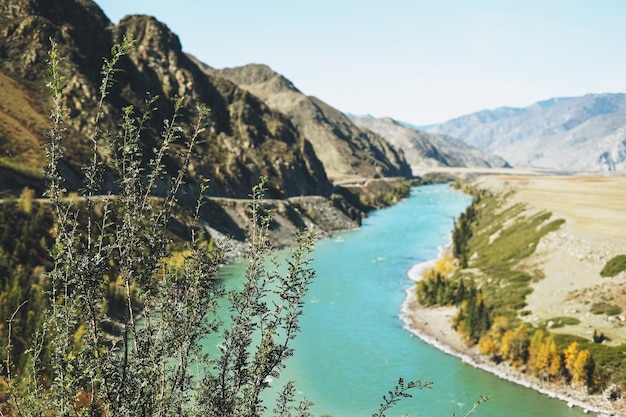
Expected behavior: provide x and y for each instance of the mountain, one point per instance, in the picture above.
(247, 139)
(427, 150)
(585, 133)
(344, 148)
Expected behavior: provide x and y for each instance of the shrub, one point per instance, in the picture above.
(562, 321)
(605, 308)
(598, 337)
(614, 266)
(156, 366)
(613, 311)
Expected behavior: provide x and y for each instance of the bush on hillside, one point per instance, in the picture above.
(614, 266)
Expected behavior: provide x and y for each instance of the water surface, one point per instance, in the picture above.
(353, 348)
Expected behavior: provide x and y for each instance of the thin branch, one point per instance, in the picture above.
(399, 392)
(483, 398)
(9, 344)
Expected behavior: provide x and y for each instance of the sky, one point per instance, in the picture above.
(417, 61)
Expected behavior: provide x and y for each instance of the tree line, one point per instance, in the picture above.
(25, 239)
(534, 350)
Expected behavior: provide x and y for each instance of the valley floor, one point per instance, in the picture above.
(570, 259)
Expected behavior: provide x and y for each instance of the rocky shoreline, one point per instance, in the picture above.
(322, 215)
(433, 326)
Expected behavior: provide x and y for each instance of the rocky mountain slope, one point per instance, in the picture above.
(343, 148)
(247, 138)
(426, 150)
(575, 133)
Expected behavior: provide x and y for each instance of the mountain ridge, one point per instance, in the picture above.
(267, 144)
(586, 133)
(343, 148)
(246, 138)
(425, 150)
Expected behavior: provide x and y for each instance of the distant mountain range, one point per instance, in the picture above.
(425, 150)
(585, 133)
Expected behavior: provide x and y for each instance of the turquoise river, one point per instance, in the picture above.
(352, 347)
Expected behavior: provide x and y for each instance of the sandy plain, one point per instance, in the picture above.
(568, 262)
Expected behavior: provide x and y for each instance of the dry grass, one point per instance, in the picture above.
(567, 263)
(594, 204)
(22, 127)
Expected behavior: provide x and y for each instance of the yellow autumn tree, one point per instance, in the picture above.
(445, 265)
(556, 363)
(506, 344)
(581, 371)
(536, 342)
(542, 361)
(499, 326)
(514, 345)
(488, 346)
(569, 355)
(520, 345)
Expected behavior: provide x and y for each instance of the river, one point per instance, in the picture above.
(353, 348)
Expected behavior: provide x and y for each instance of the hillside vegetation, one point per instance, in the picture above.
(492, 243)
(21, 126)
(244, 141)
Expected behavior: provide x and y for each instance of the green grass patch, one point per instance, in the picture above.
(614, 266)
(559, 322)
(22, 168)
(602, 307)
(564, 340)
(503, 235)
(376, 194)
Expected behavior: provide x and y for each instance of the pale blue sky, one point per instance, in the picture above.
(414, 60)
